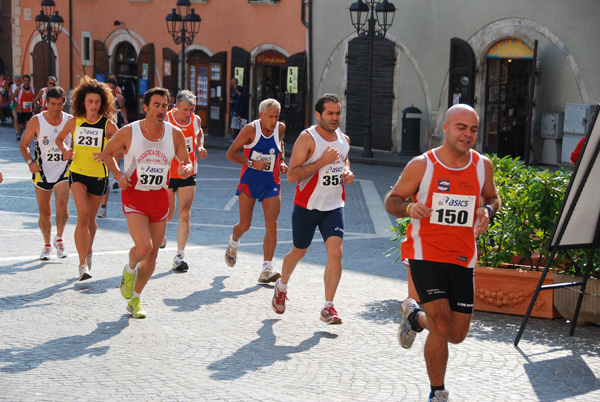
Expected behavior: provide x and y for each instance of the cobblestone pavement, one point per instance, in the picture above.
(211, 335)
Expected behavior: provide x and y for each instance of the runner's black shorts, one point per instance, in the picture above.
(440, 280)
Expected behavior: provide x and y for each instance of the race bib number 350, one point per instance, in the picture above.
(453, 209)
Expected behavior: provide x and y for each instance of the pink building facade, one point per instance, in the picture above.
(261, 43)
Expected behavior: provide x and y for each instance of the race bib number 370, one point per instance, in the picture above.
(453, 209)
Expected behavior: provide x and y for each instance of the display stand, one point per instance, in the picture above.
(578, 223)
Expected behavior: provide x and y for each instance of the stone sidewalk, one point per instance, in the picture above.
(211, 335)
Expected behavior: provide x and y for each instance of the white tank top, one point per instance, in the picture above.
(147, 162)
(47, 154)
(324, 191)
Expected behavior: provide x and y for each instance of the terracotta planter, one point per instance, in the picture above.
(508, 291)
(565, 300)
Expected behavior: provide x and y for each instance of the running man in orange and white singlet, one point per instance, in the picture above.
(190, 124)
(148, 146)
(320, 165)
(23, 98)
(49, 170)
(453, 197)
(40, 98)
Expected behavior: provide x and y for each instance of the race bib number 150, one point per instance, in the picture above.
(453, 209)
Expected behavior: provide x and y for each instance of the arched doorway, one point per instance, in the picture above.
(125, 68)
(270, 77)
(509, 64)
(197, 76)
(40, 65)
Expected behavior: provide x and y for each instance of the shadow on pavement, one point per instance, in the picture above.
(66, 348)
(26, 301)
(205, 297)
(265, 350)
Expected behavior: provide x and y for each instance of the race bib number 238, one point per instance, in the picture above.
(453, 209)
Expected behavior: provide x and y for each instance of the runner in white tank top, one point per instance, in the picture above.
(320, 165)
(148, 146)
(49, 170)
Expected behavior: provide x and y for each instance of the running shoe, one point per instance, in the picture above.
(84, 272)
(164, 242)
(102, 212)
(406, 335)
(46, 252)
(116, 185)
(134, 306)
(440, 396)
(230, 254)
(59, 244)
(127, 282)
(88, 261)
(279, 298)
(330, 316)
(179, 264)
(268, 276)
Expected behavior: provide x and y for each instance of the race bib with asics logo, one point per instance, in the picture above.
(152, 176)
(257, 156)
(331, 175)
(189, 144)
(53, 154)
(88, 136)
(453, 209)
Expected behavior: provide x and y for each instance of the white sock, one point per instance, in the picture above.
(328, 304)
(135, 294)
(181, 253)
(281, 286)
(129, 270)
(56, 238)
(266, 265)
(234, 244)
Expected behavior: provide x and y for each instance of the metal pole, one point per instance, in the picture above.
(367, 152)
(182, 56)
(49, 38)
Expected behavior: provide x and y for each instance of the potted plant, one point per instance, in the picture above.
(531, 200)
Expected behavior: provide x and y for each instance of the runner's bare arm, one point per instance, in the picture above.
(407, 185)
(118, 145)
(185, 168)
(302, 151)
(283, 168)
(29, 135)
(60, 138)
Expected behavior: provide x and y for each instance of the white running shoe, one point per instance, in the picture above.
(46, 252)
(268, 276)
(102, 212)
(59, 244)
(179, 264)
(230, 254)
(164, 242)
(84, 273)
(440, 396)
(406, 335)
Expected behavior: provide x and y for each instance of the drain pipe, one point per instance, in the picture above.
(70, 44)
(307, 4)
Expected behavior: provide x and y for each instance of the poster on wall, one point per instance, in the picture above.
(239, 75)
(202, 85)
(292, 80)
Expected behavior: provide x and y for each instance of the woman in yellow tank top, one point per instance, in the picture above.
(92, 126)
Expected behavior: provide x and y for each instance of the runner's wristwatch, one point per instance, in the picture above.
(249, 163)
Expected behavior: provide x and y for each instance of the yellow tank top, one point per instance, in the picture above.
(89, 138)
